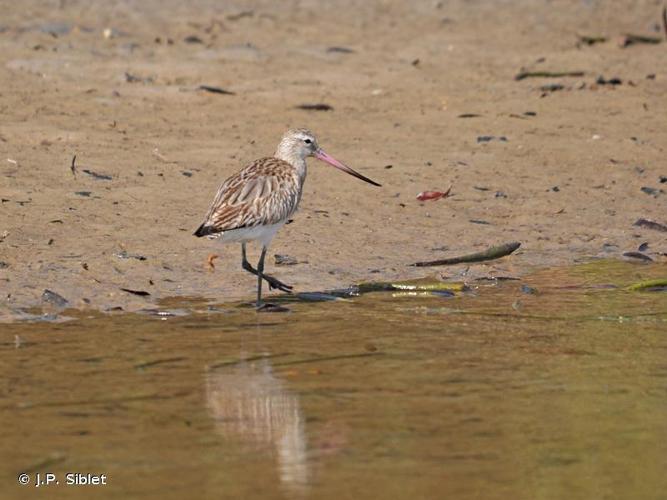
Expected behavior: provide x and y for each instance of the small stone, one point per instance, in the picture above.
(54, 298)
(285, 260)
(651, 191)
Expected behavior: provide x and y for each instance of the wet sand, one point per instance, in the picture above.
(566, 181)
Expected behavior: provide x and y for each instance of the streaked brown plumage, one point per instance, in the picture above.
(264, 193)
(257, 201)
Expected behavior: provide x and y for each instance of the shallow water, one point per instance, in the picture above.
(493, 393)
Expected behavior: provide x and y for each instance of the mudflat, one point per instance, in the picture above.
(545, 118)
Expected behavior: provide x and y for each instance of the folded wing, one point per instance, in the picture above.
(262, 194)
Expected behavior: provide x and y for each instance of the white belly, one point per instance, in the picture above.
(263, 234)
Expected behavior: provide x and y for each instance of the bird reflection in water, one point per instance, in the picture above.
(253, 406)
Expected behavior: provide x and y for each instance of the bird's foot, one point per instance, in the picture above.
(274, 284)
(277, 284)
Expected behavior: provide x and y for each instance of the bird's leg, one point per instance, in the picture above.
(260, 270)
(273, 282)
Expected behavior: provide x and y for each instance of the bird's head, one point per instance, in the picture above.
(298, 144)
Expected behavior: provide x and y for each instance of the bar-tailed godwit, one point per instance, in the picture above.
(253, 204)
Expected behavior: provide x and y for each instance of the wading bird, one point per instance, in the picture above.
(253, 204)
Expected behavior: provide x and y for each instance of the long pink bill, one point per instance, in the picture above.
(321, 155)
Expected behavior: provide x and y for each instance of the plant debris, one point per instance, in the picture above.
(340, 50)
(649, 224)
(638, 255)
(240, 15)
(141, 293)
(130, 78)
(612, 81)
(552, 87)
(210, 259)
(316, 297)
(315, 107)
(125, 255)
(546, 74)
(590, 40)
(489, 138)
(433, 195)
(659, 284)
(415, 285)
(489, 254)
(629, 40)
(95, 175)
(193, 39)
(652, 191)
(215, 90)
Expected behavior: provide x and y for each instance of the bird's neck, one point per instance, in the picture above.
(293, 159)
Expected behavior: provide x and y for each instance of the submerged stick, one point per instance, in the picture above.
(648, 285)
(488, 254)
(416, 285)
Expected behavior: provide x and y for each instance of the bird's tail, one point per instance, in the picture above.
(203, 230)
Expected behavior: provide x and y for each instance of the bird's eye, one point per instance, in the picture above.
(308, 141)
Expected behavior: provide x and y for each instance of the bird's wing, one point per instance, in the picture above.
(263, 193)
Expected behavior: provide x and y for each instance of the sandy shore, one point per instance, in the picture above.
(423, 96)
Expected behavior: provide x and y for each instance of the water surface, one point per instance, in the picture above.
(493, 393)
